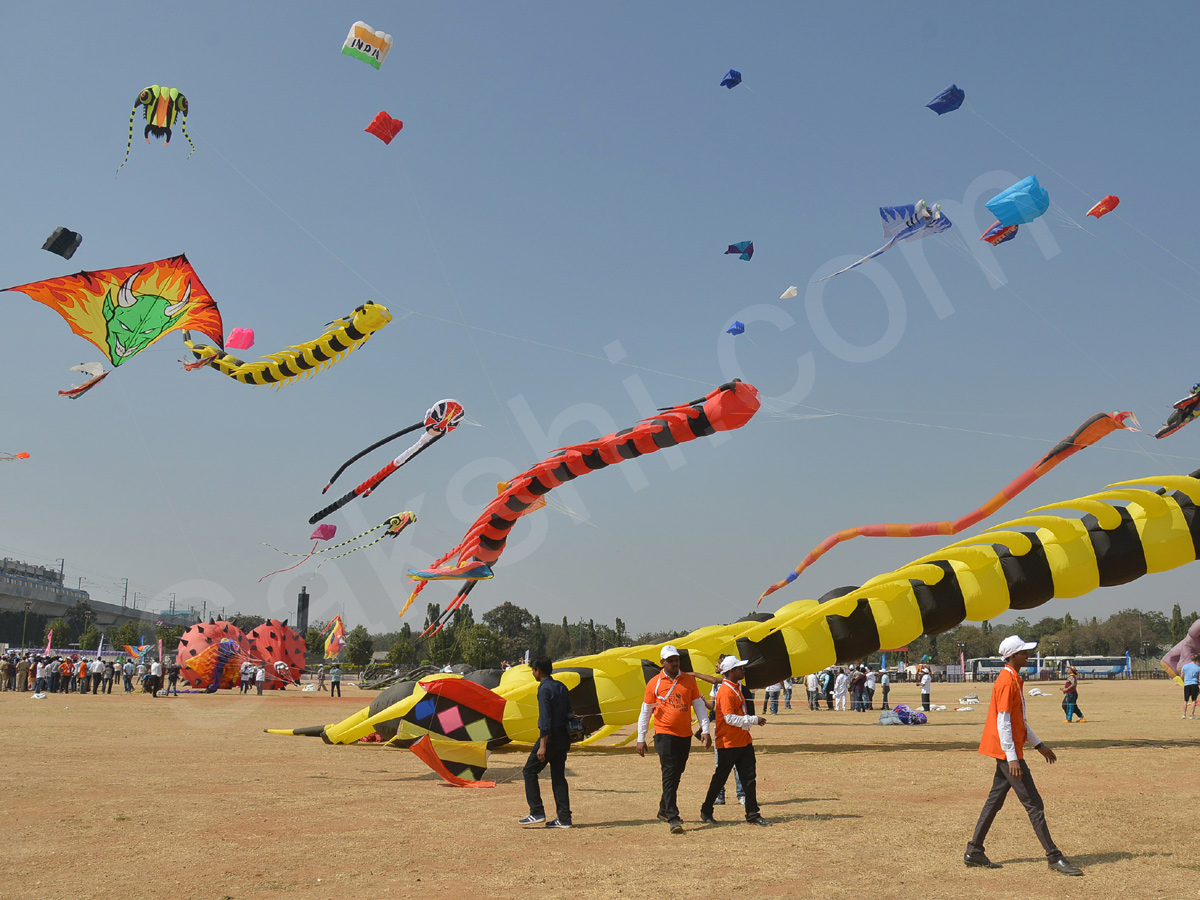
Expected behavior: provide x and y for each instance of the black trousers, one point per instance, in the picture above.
(1027, 793)
(829, 698)
(557, 746)
(672, 757)
(925, 702)
(335, 687)
(728, 759)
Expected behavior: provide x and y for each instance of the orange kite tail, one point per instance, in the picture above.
(1085, 435)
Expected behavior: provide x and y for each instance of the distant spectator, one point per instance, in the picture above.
(926, 679)
(1070, 691)
(173, 678)
(108, 673)
(885, 682)
(260, 677)
(771, 700)
(96, 670)
(127, 671)
(858, 681)
(321, 677)
(869, 689)
(787, 693)
(840, 685)
(814, 696)
(335, 680)
(1191, 684)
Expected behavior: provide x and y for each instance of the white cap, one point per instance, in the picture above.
(1013, 644)
(729, 663)
(668, 651)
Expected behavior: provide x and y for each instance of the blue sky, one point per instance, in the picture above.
(548, 230)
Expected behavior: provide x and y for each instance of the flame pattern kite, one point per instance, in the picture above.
(1131, 529)
(123, 311)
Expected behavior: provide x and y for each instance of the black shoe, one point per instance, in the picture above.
(677, 826)
(707, 818)
(758, 820)
(979, 861)
(663, 817)
(1061, 865)
(531, 819)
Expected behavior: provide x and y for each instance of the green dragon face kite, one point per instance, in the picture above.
(160, 106)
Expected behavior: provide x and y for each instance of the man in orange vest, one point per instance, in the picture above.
(1004, 737)
(671, 695)
(734, 746)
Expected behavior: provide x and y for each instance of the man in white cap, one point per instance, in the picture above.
(734, 747)
(1005, 735)
(671, 695)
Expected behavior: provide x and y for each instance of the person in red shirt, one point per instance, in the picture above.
(671, 695)
(734, 746)
(1005, 735)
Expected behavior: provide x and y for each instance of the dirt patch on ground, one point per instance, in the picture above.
(188, 798)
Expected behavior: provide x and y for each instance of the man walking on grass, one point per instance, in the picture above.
(1005, 735)
(670, 697)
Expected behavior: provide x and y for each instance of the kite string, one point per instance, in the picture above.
(431, 316)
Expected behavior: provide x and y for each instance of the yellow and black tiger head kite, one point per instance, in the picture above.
(160, 105)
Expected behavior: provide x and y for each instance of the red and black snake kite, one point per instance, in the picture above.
(725, 408)
(1085, 435)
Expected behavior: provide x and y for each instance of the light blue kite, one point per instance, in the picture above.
(910, 222)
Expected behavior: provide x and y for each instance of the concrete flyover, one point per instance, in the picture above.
(54, 600)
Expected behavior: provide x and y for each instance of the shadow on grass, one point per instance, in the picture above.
(1083, 860)
(972, 745)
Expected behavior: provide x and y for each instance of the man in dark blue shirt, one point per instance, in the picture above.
(554, 706)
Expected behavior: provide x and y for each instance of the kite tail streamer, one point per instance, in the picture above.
(183, 128)
(129, 142)
(375, 446)
(307, 557)
(1091, 431)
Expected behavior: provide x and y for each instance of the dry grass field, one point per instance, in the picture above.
(188, 798)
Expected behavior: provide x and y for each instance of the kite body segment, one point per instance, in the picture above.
(301, 360)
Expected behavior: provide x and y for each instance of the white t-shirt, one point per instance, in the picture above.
(839, 686)
(775, 688)
(870, 681)
(925, 680)
(812, 682)
(261, 674)
(156, 669)
(141, 670)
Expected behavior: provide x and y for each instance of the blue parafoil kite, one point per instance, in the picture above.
(910, 222)
(743, 249)
(732, 79)
(736, 328)
(948, 100)
(1023, 202)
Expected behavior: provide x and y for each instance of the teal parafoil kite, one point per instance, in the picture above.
(1020, 204)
